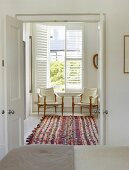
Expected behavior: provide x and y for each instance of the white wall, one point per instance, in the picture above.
(91, 48)
(117, 25)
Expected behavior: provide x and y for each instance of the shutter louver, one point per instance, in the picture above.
(74, 74)
(74, 57)
(41, 55)
(74, 44)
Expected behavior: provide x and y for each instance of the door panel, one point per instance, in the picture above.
(12, 124)
(14, 83)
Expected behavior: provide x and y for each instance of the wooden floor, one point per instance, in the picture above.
(31, 122)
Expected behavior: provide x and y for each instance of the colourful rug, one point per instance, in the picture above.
(67, 130)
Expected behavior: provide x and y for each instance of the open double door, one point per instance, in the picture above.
(14, 82)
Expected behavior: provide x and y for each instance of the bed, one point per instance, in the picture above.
(64, 157)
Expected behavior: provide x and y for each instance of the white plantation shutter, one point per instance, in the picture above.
(40, 56)
(74, 56)
(74, 52)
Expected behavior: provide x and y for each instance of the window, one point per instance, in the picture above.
(74, 57)
(58, 56)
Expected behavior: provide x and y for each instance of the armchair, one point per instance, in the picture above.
(89, 99)
(48, 98)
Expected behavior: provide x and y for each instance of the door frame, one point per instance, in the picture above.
(83, 17)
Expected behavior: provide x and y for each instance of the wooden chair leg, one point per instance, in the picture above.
(81, 109)
(44, 111)
(73, 105)
(44, 105)
(55, 109)
(62, 109)
(38, 109)
(90, 109)
(62, 105)
(55, 102)
(38, 104)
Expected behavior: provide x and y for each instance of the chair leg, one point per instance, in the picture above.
(81, 109)
(55, 109)
(38, 104)
(38, 109)
(62, 105)
(62, 109)
(44, 105)
(90, 110)
(73, 105)
(44, 110)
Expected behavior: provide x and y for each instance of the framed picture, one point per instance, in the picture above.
(126, 53)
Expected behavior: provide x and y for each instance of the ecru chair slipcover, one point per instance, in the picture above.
(48, 98)
(88, 99)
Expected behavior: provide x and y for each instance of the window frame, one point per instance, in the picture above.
(80, 26)
(73, 26)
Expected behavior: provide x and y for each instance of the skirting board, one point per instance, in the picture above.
(2, 151)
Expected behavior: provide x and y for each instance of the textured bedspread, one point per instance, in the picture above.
(60, 157)
(101, 158)
(39, 157)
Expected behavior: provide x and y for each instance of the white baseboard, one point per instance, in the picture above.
(2, 151)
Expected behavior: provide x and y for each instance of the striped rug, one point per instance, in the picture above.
(67, 130)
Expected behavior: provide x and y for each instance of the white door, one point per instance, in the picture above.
(14, 83)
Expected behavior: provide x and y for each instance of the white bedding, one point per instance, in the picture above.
(60, 157)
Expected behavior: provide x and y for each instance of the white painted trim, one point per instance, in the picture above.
(59, 17)
(5, 88)
(2, 151)
(102, 76)
(87, 17)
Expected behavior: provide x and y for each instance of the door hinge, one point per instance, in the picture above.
(2, 63)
